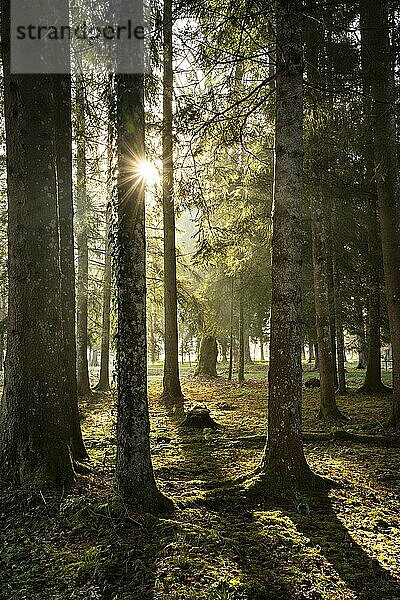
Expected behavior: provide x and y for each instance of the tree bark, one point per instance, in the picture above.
(328, 408)
(104, 379)
(373, 377)
(342, 389)
(284, 457)
(224, 350)
(320, 239)
(135, 482)
(230, 371)
(207, 366)
(34, 421)
(171, 383)
(63, 128)
(82, 241)
(241, 358)
(379, 75)
(311, 355)
(246, 342)
(361, 338)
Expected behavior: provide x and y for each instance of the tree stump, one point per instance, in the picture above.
(199, 417)
(314, 382)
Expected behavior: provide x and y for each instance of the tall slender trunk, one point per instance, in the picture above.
(311, 355)
(261, 339)
(171, 382)
(361, 337)
(342, 389)
(231, 341)
(246, 340)
(63, 140)
(241, 358)
(224, 350)
(104, 379)
(135, 481)
(34, 421)
(328, 408)
(284, 456)
(82, 241)
(373, 377)
(332, 303)
(152, 339)
(379, 75)
(324, 308)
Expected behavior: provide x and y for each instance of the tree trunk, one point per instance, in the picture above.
(152, 340)
(104, 379)
(34, 421)
(379, 75)
(207, 366)
(320, 240)
(82, 241)
(328, 408)
(261, 339)
(230, 372)
(3, 316)
(63, 127)
(342, 389)
(284, 457)
(311, 355)
(135, 482)
(246, 342)
(171, 384)
(361, 340)
(373, 378)
(224, 350)
(332, 302)
(241, 358)
(316, 366)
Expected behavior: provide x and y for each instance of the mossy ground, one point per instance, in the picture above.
(221, 543)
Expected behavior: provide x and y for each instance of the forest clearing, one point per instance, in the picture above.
(222, 543)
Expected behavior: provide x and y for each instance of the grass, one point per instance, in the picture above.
(220, 544)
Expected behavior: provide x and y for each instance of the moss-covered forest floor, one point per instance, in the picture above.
(219, 544)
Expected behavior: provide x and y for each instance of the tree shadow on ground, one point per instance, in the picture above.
(362, 573)
(268, 546)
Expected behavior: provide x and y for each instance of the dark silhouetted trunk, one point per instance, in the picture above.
(328, 408)
(171, 383)
(316, 366)
(63, 138)
(82, 242)
(379, 77)
(373, 378)
(320, 222)
(246, 342)
(342, 389)
(361, 338)
(104, 379)
(241, 358)
(224, 350)
(35, 445)
(231, 341)
(311, 354)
